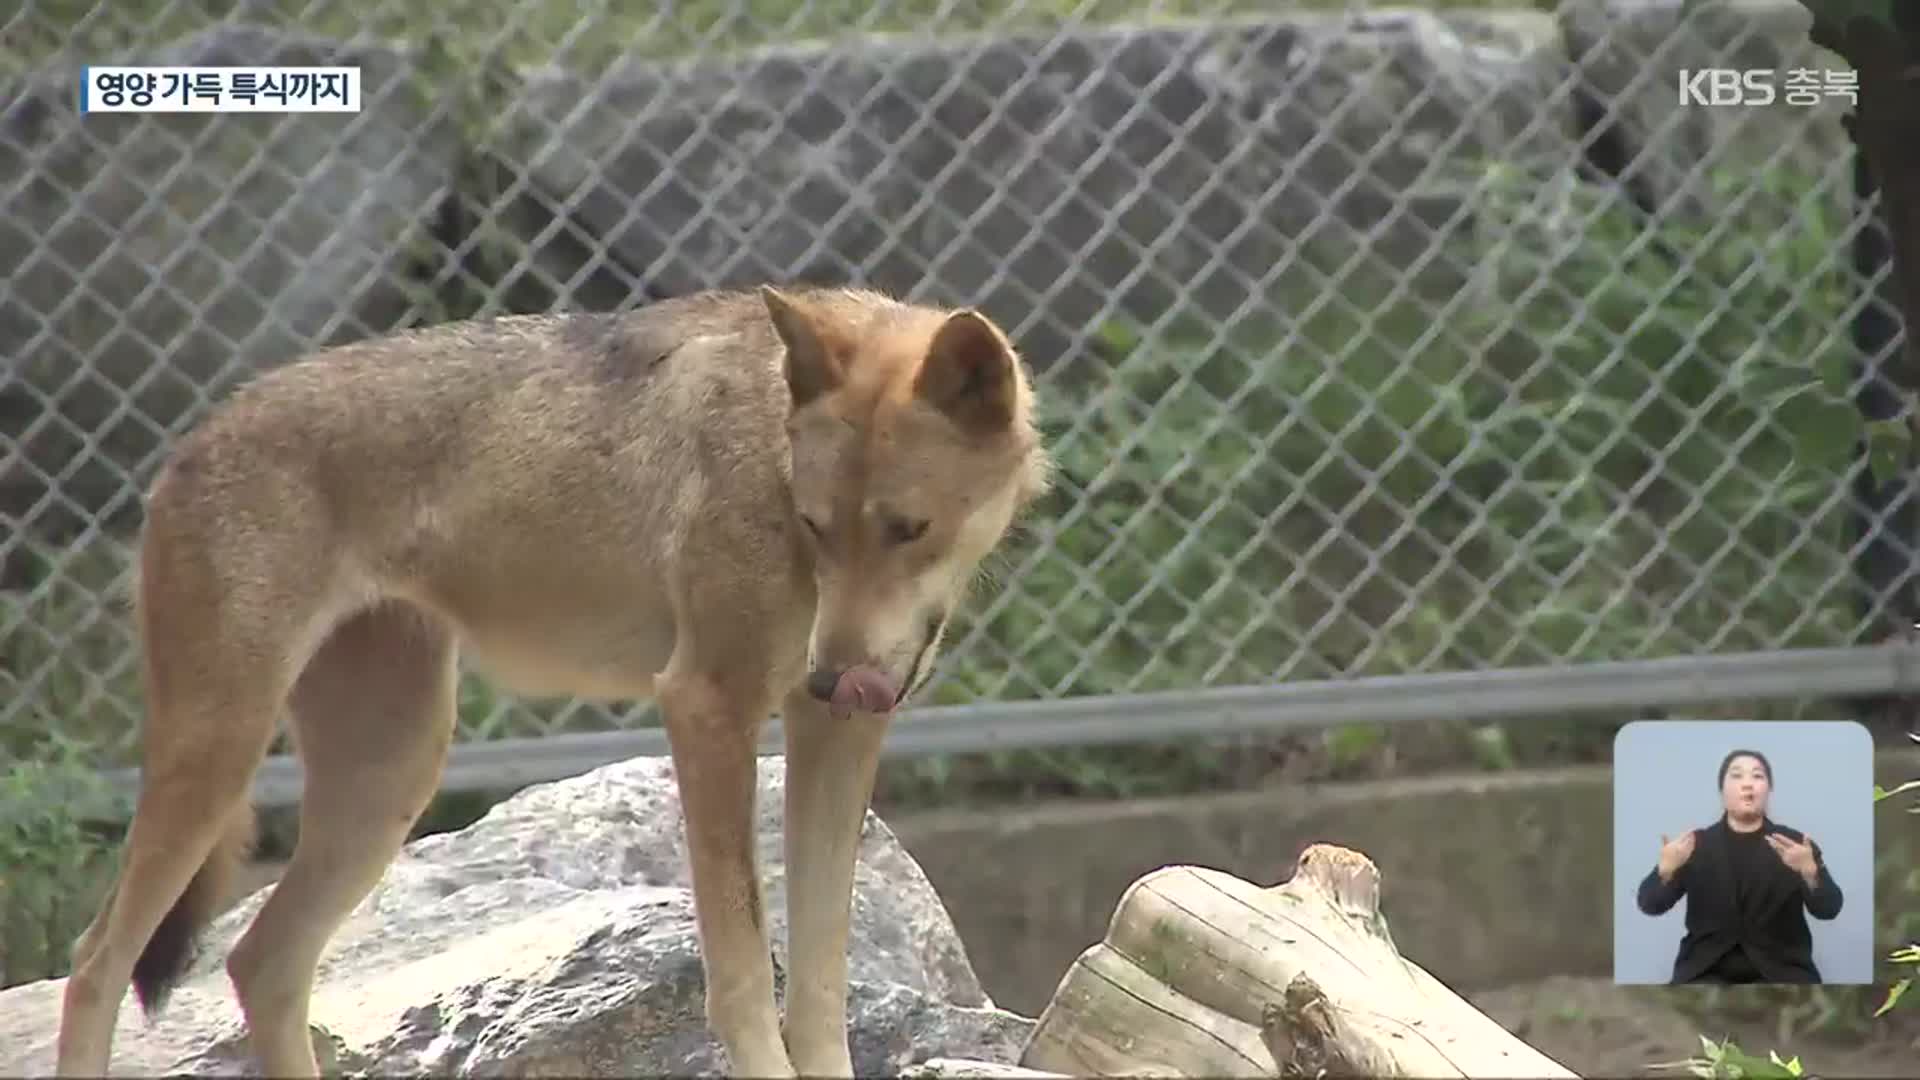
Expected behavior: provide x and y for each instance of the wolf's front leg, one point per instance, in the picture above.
(712, 730)
(830, 771)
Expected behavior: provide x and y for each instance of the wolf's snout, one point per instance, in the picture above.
(861, 688)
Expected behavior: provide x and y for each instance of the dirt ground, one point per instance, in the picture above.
(1598, 1029)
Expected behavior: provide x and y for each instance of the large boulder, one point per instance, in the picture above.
(1216, 169)
(150, 262)
(1058, 178)
(556, 936)
(1674, 155)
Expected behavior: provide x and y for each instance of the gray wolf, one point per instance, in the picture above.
(730, 503)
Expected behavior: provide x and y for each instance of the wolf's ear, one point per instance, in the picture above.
(812, 369)
(969, 374)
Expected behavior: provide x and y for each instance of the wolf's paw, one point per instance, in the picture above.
(823, 1058)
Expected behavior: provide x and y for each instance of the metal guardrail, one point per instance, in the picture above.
(1893, 668)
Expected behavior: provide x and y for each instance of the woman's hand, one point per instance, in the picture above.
(1674, 854)
(1797, 854)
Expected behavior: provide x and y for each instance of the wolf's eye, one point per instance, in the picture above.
(812, 526)
(905, 531)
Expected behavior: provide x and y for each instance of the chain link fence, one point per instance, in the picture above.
(1375, 343)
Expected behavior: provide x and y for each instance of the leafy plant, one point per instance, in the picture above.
(1725, 1061)
(1906, 957)
(53, 865)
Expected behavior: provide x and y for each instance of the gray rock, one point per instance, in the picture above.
(1629, 55)
(556, 936)
(148, 262)
(1058, 178)
(1044, 176)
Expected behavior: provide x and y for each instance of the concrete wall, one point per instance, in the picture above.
(1486, 880)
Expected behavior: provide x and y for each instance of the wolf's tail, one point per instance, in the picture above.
(175, 942)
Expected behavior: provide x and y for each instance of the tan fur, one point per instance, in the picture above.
(614, 507)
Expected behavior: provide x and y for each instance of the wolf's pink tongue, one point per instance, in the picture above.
(865, 689)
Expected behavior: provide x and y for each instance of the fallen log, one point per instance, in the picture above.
(1203, 974)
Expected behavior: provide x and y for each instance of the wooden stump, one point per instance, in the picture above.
(1203, 974)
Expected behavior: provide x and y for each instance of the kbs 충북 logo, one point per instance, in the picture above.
(1763, 86)
(162, 89)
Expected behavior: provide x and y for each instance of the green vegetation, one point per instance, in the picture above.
(53, 867)
(1902, 937)
(1724, 1061)
(67, 661)
(1589, 452)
